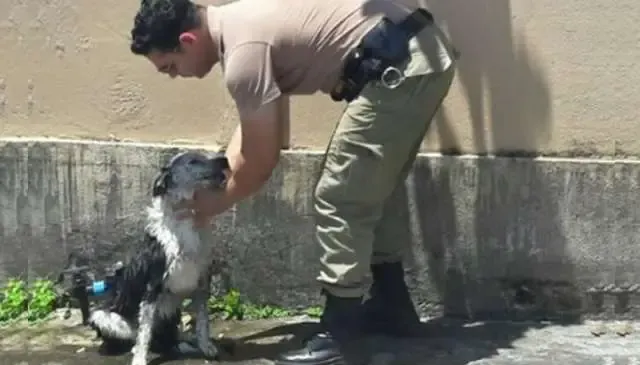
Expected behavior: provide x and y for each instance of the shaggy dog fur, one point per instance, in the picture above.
(174, 262)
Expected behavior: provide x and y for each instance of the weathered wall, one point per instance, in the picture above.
(552, 76)
(480, 228)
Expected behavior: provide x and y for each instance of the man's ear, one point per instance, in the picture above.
(187, 38)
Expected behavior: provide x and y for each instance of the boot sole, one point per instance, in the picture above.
(337, 361)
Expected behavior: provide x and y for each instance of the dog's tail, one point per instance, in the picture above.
(112, 325)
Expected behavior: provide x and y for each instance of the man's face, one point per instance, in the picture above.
(190, 60)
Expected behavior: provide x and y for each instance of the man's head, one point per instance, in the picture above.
(174, 36)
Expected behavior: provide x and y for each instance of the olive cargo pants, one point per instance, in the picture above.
(370, 154)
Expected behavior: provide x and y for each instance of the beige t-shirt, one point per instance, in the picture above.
(275, 47)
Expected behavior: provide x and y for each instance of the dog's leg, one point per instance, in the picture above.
(203, 340)
(141, 348)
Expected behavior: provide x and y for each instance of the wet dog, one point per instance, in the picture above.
(174, 262)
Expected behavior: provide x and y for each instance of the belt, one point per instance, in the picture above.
(410, 25)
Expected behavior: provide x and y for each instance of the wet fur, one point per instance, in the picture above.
(174, 262)
(115, 322)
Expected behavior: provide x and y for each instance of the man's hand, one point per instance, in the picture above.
(202, 208)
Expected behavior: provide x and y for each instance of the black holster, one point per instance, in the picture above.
(385, 46)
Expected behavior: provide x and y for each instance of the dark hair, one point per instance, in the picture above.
(158, 24)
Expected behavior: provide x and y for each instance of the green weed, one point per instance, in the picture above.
(14, 300)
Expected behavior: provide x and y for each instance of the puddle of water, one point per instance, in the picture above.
(90, 356)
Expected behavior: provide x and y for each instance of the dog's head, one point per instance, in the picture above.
(188, 171)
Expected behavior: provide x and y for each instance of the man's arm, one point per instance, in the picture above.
(284, 116)
(254, 149)
(253, 152)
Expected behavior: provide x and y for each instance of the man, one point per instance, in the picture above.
(269, 49)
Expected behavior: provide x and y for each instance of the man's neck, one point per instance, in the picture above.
(209, 16)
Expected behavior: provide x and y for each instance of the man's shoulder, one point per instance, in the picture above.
(249, 76)
(245, 59)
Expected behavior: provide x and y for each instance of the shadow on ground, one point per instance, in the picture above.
(444, 342)
(259, 342)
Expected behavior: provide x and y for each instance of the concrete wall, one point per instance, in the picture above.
(484, 231)
(557, 77)
(543, 76)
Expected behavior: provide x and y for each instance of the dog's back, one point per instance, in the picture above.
(144, 271)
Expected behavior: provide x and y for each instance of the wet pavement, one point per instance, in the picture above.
(447, 342)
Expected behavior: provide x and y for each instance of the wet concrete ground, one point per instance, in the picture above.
(446, 342)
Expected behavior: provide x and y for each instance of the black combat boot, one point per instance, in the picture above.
(389, 310)
(340, 340)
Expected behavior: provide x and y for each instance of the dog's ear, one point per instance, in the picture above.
(160, 183)
(221, 162)
(221, 170)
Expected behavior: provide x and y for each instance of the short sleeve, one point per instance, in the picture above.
(249, 77)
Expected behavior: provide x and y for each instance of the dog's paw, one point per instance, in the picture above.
(138, 360)
(187, 348)
(139, 355)
(189, 337)
(208, 349)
